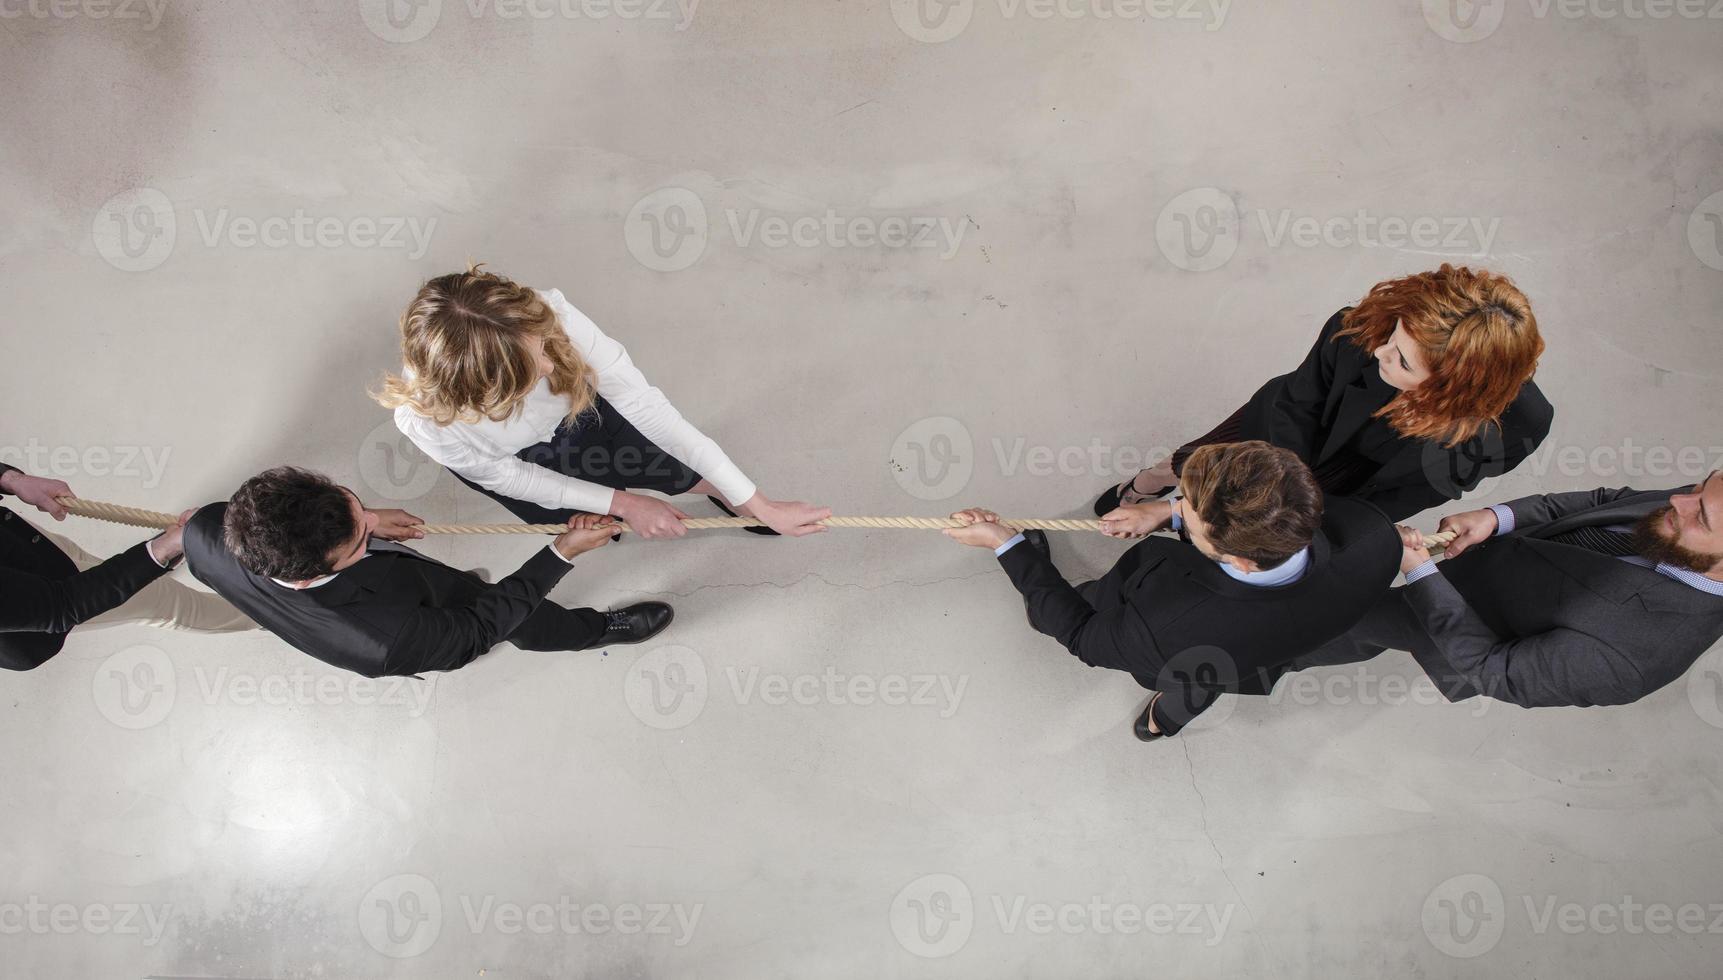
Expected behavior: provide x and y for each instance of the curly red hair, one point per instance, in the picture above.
(1477, 333)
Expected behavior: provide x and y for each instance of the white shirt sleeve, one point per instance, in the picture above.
(644, 406)
(507, 475)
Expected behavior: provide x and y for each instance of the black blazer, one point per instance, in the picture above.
(1165, 602)
(1524, 619)
(43, 595)
(396, 612)
(1316, 410)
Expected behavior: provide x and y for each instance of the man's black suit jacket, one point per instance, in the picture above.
(395, 612)
(43, 594)
(1166, 607)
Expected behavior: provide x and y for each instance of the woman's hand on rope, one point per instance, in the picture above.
(648, 516)
(981, 529)
(38, 492)
(585, 533)
(1137, 520)
(791, 518)
(394, 524)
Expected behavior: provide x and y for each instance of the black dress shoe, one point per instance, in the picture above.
(635, 624)
(751, 530)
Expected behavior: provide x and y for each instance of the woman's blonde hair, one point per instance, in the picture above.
(469, 343)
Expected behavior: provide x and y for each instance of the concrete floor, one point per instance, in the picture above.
(1033, 248)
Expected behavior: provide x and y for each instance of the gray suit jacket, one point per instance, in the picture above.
(1524, 619)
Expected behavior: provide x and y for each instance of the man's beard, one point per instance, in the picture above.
(1651, 538)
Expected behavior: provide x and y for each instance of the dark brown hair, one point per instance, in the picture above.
(284, 522)
(1259, 501)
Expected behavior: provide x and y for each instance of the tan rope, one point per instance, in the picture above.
(138, 517)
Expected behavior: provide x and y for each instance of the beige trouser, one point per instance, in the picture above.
(164, 603)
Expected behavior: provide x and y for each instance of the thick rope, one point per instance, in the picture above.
(138, 517)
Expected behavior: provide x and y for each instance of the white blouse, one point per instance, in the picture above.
(484, 451)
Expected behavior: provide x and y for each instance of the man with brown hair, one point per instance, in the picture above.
(1268, 570)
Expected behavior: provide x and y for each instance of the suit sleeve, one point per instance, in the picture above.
(1556, 667)
(1546, 507)
(449, 637)
(1117, 638)
(1488, 454)
(1293, 416)
(31, 603)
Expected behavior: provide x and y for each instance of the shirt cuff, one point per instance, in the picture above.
(1504, 519)
(1016, 539)
(1422, 571)
(558, 554)
(150, 550)
(1178, 522)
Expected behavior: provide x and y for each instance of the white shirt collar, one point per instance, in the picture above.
(1290, 570)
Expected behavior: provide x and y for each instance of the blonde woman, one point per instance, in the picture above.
(524, 399)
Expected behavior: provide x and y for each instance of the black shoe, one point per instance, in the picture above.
(635, 624)
(751, 530)
(1112, 499)
(1141, 727)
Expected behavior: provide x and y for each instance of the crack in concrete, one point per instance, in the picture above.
(1220, 859)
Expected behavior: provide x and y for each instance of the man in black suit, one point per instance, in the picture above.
(49, 585)
(1584, 598)
(304, 558)
(1268, 569)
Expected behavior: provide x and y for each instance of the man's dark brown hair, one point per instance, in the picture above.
(1259, 501)
(284, 522)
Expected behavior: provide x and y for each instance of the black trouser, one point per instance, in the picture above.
(1389, 625)
(602, 447)
(552, 627)
(549, 627)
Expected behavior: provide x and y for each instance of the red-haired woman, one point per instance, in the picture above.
(1408, 400)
